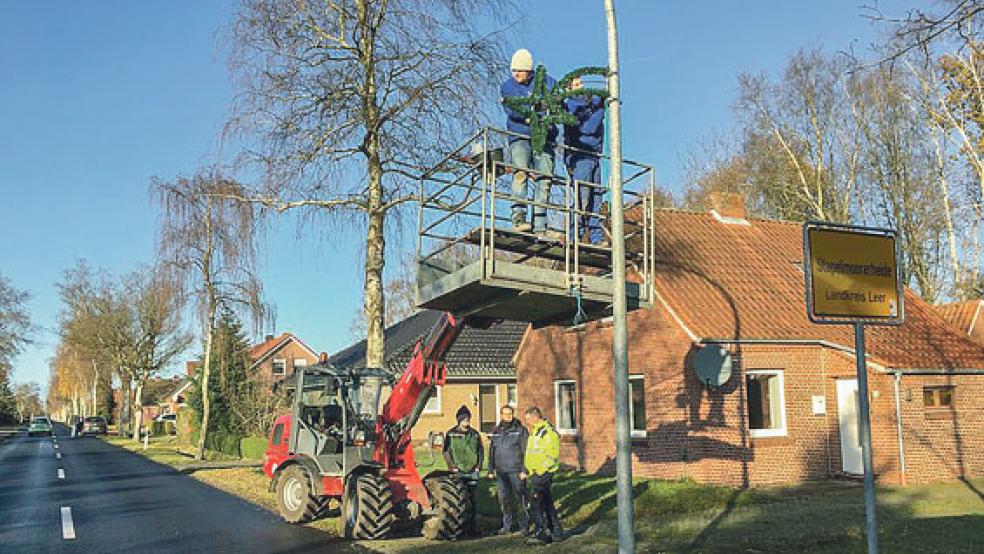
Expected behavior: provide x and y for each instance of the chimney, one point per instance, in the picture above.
(728, 205)
(268, 338)
(191, 366)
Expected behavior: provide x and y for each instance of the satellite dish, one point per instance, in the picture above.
(712, 364)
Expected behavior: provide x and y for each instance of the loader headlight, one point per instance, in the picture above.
(359, 439)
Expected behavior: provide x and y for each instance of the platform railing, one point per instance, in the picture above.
(464, 195)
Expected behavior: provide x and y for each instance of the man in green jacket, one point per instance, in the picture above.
(463, 454)
(542, 460)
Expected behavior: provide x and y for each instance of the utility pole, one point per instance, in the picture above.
(620, 338)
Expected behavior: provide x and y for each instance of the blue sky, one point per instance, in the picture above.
(96, 98)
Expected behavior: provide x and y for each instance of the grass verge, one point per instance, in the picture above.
(682, 516)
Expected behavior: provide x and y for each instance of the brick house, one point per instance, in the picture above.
(277, 356)
(481, 374)
(788, 413)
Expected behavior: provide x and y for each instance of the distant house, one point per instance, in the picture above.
(277, 357)
(481, 374)
(274, 358)
(156, 396)
(788, 412)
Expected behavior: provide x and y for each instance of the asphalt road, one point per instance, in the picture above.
(117, 501)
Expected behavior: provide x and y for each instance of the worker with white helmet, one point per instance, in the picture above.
(521, 152)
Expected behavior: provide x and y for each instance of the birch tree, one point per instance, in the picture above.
(341, 103)
(208, 244)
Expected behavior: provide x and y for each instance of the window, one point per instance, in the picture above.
(300, 362)
(278, 434)
(511, 397)
(433, 405)
(279, 366)
(766, 403)
(637, 407)
(937, 397)
(565, 395)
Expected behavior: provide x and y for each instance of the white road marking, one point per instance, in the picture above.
(58, 455)
(68, 527)
(61, 473)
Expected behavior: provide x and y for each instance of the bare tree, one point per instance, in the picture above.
(798, 138)
(156, 308)
(27, 397)
(15, 334)
(922, 30)
(343, 102)
(208, 244)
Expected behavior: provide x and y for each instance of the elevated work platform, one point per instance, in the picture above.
(472, 262)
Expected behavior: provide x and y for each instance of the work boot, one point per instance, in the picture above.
(519, 223)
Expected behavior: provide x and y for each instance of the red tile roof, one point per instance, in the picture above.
(260, 351)
(964, 317)
(745, 281)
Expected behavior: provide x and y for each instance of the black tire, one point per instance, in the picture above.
(295, 500)
(452, 507)
(367, 507)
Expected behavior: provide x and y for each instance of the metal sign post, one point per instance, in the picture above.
(852, 276)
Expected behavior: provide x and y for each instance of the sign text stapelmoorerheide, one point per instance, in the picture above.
(852, 274)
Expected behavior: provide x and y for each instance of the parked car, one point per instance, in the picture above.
(40, 425)
(94, 425)
(170, 418)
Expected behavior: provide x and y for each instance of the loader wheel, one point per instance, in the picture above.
(452, 507)
(367, 507)
(294, 498)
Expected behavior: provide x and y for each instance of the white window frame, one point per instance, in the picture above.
(516, 388)
(437, 396)
(781, 431)
(273, 366)
(636, 433)
(561, 430)
(303, 363)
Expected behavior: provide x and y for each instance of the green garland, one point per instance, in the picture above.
(545, 108)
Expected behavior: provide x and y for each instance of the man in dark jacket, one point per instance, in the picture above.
(506, 453)
(463, 454)
(586, 140)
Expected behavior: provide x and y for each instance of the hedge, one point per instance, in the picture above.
(159, 428)
(253, 448)
(223, 442)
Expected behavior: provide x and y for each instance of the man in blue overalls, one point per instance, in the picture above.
(587, 138)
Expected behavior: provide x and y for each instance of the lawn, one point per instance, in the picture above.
(683, 516)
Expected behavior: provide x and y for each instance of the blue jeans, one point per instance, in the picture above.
(511, 491)
(521, 156)
(586, 168)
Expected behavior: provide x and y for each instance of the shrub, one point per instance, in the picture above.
(253, 448)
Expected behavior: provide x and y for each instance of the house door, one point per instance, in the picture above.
(850, 433)
(488, 407)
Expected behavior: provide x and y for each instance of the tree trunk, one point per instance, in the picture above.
(207, 363)
(138, 410)
(95, 385)
(374, 300)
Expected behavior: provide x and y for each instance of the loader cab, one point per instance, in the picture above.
(331, 422)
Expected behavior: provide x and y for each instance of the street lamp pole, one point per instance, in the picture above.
(620, 340)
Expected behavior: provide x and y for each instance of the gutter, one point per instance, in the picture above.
(801, 342)
(942, 372)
